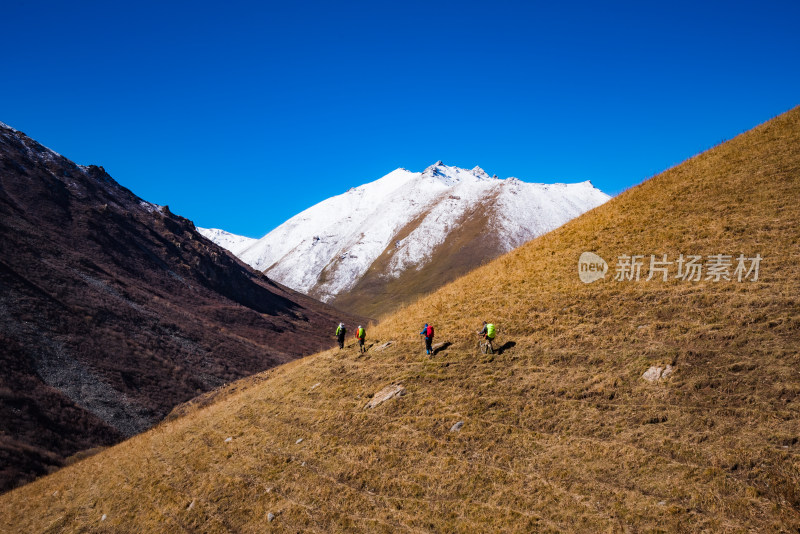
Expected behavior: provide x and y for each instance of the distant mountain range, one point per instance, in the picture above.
(386, 242)
(114, 310)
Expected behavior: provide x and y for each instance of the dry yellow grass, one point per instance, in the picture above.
(560, 432)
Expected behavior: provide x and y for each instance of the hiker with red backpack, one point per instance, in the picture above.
(361, 335)
(427, 331)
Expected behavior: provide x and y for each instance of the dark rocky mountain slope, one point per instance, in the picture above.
(114, 310)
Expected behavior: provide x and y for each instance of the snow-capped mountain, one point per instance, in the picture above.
(407, 222)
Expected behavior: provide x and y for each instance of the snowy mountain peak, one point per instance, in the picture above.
(477, 171)
(450, 176)
(436, 169)
(402, 222)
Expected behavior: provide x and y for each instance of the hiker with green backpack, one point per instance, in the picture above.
(341, 331)
(361, 335)
(488, 332)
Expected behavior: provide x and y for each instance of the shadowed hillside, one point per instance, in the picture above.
(559, 431)
(114, 310)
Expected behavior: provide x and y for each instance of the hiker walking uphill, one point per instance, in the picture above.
(427, 331)
(361, 335)
(340, 333)
(488, 332)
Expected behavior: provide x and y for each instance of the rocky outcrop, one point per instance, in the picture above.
(657, 373)
(389, 392)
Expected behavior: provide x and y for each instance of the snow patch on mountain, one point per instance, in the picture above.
(331, 245)
(234, 243)
(149, 207)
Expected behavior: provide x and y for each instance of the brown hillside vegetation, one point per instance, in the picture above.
(560, 432)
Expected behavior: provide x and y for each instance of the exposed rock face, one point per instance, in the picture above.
(114, 310)
(384, 346)
(657, 374)
(389, 392)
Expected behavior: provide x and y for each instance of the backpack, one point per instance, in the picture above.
(429, 331)
(361, 334)
(490, 331)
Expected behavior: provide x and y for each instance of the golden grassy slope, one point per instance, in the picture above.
(560, 432)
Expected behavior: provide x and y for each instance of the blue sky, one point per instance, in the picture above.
(239, 115)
